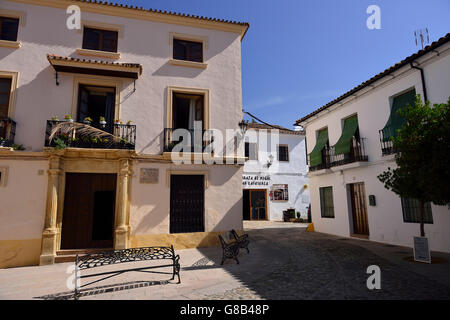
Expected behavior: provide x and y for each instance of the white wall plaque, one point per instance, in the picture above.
(421, 250)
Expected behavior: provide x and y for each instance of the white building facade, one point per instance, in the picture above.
(348, 147)
(274, 178)
(160, 71)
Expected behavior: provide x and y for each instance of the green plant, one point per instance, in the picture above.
(60, 143)
(129, 122)
(89, 119)
(55, 118)
(67, 117)
(18, 147)
(102, 119)
(422, 145)
(118, 121)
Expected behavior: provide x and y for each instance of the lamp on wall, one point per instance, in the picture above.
(270, 161)
(243, 125)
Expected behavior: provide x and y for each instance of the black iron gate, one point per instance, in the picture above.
(187, 197)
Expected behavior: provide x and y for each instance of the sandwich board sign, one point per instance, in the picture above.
(421, 250)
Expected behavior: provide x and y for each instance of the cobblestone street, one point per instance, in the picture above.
(285, 262)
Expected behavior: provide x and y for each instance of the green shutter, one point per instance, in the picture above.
(315, 157)
(395, 121)
(343, 144)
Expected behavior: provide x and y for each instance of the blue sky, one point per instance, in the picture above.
(300, 54)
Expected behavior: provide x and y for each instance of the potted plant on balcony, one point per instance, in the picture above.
(102, 122)
(87, 120)
(129, 123)
(68, 118)
(117, 121)
(54, 118)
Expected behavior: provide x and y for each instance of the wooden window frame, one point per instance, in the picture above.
(14, 76)
(322, 203)
(195, 91)
(192, 38)
(5, 42)
(100, 44)
(279, 153)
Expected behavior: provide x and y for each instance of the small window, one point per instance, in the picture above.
(411, 211)
(283, 153)
(280, 192)
(5, 92)
(187, 50)
(101, 40)
(251, 151)
(326, 202)
(9, 27)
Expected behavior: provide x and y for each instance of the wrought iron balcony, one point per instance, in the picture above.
(326, 160)
(357, 153)
(195, 144)
(7, 132)
(125, 137)
(330, 159)
(387, 146)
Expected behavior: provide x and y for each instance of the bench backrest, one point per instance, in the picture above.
(125, 255)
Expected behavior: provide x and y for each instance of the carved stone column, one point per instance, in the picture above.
(49, 235)
(121, 238)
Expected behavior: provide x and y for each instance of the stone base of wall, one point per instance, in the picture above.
(19, 253)
(178, 240)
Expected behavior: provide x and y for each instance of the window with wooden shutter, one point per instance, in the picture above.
(187, 50)
(9, 28)
(326, 202)
(283, 153)
(100, 40)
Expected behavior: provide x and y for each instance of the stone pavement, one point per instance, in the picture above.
(285, 262)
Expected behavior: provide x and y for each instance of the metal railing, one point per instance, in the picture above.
(126, 134)
(387, 146)
(195, 143)
(7, 132)
(330, 159)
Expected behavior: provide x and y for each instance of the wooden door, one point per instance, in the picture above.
(258, 205)
(359, 209)
(187, 197)
(88, 215)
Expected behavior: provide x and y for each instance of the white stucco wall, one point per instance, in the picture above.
(23, 199)
(143, 42)
(292, 173)
(373, 108)
(150, 203)
(38, 98)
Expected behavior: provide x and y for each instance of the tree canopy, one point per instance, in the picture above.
(423, 154)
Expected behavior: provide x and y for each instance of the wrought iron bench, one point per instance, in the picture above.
(242, 240)
(95, 260)
(230, 250)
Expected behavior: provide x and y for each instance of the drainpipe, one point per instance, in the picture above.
(423, 80)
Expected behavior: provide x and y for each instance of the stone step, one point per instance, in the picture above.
(69, 255)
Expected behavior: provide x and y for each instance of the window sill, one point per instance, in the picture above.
(191, 64)
(10, 44)
(98, 53)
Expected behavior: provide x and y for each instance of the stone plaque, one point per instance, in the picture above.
(149, 175)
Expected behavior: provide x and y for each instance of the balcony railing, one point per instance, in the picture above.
(330, 159)
(326, 160)
(196, 142)
(7, 132)
(125, 133)
(387, 146)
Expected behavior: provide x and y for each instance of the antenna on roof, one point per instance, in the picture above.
(422, 37)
